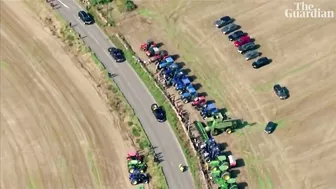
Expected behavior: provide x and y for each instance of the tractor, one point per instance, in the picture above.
(152, 51)
(168, 73)
(179, 75)
(148, 45)
(198, 102)
(210, 150)
(181, 85)
(223, 164)
(138, 177)
(166, 62)
(159, 57)
(208, 110)
(217, 124)
(189, 94)
(136, 165)
(226, 184)
(134, 155)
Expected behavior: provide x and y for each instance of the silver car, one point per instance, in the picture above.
(251, 54)
(229, 28)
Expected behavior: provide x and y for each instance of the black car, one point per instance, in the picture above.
(280, 91)
(87, 18)
(236, 35)
(225, 20)
(247, 47)
(158, 113)
(261, 62)
(117, 54)
(270, 127)
(229, 28)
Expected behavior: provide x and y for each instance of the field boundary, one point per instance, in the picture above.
(70, 38)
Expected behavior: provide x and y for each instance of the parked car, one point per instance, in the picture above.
(223, 21)
(261, 62)
(247, 47)
(270, 126)
(242, 41)
(87, 18)
(249, 55)
(280, 91)
(117, 54)
(236, 35)
(230, 28)
(158, 113)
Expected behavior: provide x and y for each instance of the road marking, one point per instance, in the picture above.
(63, 4)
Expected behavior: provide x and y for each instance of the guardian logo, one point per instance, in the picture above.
(303, 10)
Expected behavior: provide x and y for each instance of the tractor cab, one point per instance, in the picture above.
(153, 51)
(177, 77)
(210, 150)
(166, 62)
(170, 70)
(189, 95)
(182, 84)
(232, 161)
(208, 110)
(134, 155)
(199, 101)
(146, 46)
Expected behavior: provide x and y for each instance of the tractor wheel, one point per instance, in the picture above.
(228, 130)
(142, 171)
(131, 170)
(134, 182)
(226, 176)
(180, 92)
(146, 181)
(185, 101)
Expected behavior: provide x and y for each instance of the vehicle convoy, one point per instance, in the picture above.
(242, 41)
(223, 21)
(117, 54)
(280, 91)
(229, 28)
(138, 177)
(247, 47)
(236, 35)
(158, 113)
(249, 55)
(87, 18)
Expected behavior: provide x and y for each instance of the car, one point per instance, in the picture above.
(247, 47)
(225, 20)
(117, 54)
(249, 55)
(87, 18)
(261, 62)
(270, 126)
(236, 35)
(242, 41)
(280, 91)
(229, 28)
(158, 113)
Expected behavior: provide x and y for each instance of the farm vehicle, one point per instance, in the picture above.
(137, 177)
(159, 57)
(152, 51)
(226, 184)
(167, 61)
(208, 110)
(210, 150)
(220, 167)
(189, 94)
(134, 155)
(136, 165)
(199, 102)
(146, 46)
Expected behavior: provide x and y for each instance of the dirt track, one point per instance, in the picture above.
(300, 153)
(56, 131)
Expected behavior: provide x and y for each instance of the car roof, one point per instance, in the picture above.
(225, 18)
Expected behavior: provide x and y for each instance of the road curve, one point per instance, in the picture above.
(160, 134)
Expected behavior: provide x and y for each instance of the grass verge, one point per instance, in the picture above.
(117, 102)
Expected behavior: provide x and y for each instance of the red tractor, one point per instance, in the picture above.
(159, 57)
(153, 51)
(148, 45)
(134, 155)
(198, 102)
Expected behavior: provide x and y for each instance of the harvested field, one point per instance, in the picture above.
(301, 152)
(56, 131)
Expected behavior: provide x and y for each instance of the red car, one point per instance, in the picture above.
(241, 41)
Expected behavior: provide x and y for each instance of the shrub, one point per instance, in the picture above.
(96, 2)
(129, 4)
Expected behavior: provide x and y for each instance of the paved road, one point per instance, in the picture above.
(160, 134)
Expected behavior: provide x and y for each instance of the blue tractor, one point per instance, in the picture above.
(179, 75)
(189, 94)
(169, 72)
(166, 62)
(210, 150)
(182, 84)
(137, 177)
(208, 110)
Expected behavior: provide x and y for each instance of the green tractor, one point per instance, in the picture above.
(220, 167)
(218, 124)
(136, 165)
(226, 184)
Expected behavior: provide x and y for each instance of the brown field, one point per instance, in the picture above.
(56, 131)
(301, 152)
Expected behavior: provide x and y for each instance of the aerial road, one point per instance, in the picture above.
(160, 134)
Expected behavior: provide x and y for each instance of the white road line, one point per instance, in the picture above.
(63, 4)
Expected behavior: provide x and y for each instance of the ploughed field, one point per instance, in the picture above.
(301, 151)
(56, 131)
